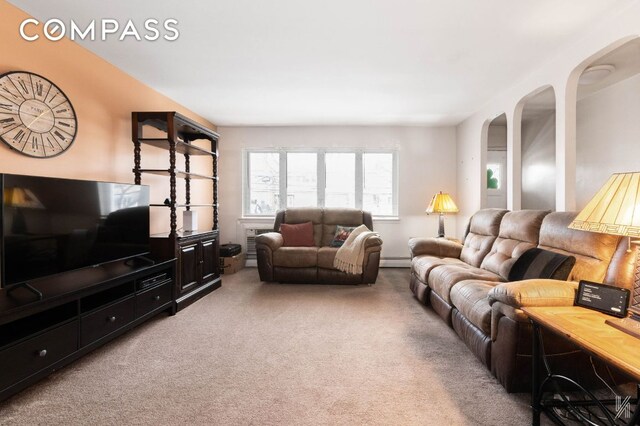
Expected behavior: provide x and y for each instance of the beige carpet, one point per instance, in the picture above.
(263, 354)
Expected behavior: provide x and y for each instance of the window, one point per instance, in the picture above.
(302, 179)
(494, 176)
(340, 181)
(264, 183)
(378, 183)
(323, 177)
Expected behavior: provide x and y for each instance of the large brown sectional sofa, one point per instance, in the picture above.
(315, 264)
(466, 284)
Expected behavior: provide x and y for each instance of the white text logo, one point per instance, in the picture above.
(55, 29)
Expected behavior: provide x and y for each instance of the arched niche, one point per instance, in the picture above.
(607, 116)
(495, 180)
(538, 149)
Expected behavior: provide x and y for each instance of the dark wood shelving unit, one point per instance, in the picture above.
(179, 173)
(197, 252)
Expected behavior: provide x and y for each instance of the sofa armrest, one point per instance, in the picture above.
(536, 292)
(440, 247)
(373, 244)
(273, 240)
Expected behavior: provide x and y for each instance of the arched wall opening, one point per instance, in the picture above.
(538, 149)
(495, 187)
(607, 111)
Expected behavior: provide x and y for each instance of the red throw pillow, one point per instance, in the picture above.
(298, 235)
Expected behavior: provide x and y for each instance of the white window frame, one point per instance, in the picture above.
(321, 180)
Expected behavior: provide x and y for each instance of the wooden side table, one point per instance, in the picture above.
(587, 330)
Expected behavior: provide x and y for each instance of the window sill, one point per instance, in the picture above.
(256, 218)
(386, 218)
(272, 218)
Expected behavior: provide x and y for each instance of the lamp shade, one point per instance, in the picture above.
(21, 197)
(615, 209)
(442, 203)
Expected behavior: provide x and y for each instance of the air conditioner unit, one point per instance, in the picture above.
(248, 233)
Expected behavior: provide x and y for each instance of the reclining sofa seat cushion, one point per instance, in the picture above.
(296, 257)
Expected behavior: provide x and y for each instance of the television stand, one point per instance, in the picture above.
(140, 261)
(26, 286)
(79, 311)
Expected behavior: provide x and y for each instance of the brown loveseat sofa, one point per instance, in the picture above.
(466, 284)
(315, 264)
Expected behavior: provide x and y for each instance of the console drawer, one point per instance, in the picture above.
(106, 320)
(151, 299)
(37, 353)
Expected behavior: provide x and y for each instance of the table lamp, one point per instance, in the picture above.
(615, 210)
(441, 203)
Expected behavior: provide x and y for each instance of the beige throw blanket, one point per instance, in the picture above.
(350, 256)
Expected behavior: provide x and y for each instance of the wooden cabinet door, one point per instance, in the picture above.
(210, 253)
(188, 266)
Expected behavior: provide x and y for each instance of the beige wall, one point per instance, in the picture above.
(103, 97)
(608, 135)
(426, 164)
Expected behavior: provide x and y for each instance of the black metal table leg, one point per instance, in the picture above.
(535, 374)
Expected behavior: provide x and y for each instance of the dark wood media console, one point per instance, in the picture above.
(80, 311)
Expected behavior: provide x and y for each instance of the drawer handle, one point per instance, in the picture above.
(156, 298)
(111, 319)
(42, 353)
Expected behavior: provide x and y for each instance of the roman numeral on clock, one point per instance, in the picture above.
(7, 122)
(39, 88)
(23, 85)
(7, 107)
(50, 143)
(59, 135)
(18, 137)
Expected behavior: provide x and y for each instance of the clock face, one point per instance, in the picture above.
(36, 117)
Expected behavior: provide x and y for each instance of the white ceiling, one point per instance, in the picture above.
(362, 62)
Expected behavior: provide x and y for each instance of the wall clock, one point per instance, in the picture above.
(36, 117)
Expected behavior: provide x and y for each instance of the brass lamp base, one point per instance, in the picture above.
(441, 226)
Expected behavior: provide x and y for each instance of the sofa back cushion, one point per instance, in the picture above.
(334, 217)
(483, 230)
(593, 251)
(519, 232)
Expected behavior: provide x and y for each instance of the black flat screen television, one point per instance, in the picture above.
(52, 225)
